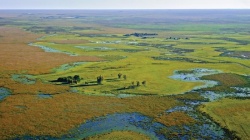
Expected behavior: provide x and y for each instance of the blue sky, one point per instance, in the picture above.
(124, 4)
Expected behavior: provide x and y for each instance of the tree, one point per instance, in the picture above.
(62, 79)
(77, 78)
(99, 79)
(143, 83)
(137, 83)
(119, 75)
(69, 79)
(124, 77)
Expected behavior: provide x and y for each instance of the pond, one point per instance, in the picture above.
(194, 75)
(4, 92)
(65, 67)
(24, 78)
(44, 96)
(142, 124)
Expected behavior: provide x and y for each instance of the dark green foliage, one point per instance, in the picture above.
(69, 79)
(62, 79)
(143, 83)
(77, 78)
(99, 79)
(137, 83)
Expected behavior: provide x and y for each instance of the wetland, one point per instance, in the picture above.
(86, 74)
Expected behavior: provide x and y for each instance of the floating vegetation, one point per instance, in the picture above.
(25, 79)
(4, 92)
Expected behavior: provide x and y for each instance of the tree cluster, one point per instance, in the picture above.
(133, 85)
(70, 80)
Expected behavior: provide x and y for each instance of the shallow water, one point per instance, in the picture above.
(48, 49)
(65, 67)
(142, 124)
(4, 92)
(213, 96)
(25, 79)
(88, 48)
(194, 76)
(44, 96)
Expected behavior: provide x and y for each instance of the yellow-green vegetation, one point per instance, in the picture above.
(233, 114)
(136, 62)
(119, 135)
(175, 118)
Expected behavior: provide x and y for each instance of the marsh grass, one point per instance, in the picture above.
(232, 114)
(56, 116)
(227, 80)
(120, 135)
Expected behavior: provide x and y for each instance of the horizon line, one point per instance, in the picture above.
(130, 9)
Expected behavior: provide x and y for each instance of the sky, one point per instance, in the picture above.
(124, 4)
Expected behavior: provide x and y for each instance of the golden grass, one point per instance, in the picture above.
(27, 114)
(16, 56)
(119, 135)
(38, 87)
(232, 114)
(175, 118)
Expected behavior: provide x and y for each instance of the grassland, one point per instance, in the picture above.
(31, 44)
(232, 114)
(124, 135)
